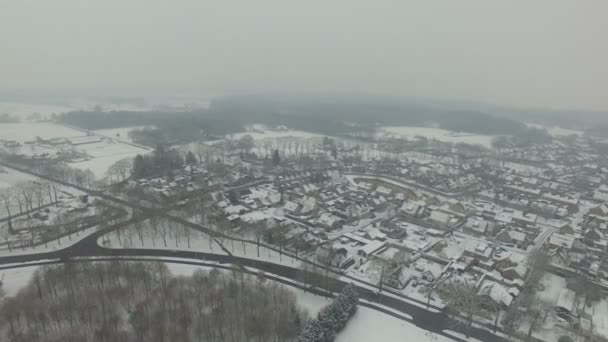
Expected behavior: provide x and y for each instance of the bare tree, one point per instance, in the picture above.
(462, 298)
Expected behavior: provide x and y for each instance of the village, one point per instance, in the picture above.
(424, 219)
(418, 222)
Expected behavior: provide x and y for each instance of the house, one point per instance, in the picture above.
(331, 255)
(512, 237)
(515, 272)
(394, 232)
(479, 251)
(559, 240)
(441, 219)
(495, 294)
(330, 221)
(371, 248)
(601, 210)
(476, 226)
(412, 209)
(565, 306)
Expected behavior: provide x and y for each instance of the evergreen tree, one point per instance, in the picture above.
(276, 158)
(190, 158)
(139, 167)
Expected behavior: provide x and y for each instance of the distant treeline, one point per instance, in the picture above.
(324, 115)
(331, 115)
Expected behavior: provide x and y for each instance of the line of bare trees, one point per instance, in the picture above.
(158, 232)
(28, 197)
(127, 301)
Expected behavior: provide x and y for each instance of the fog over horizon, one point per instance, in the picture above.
(539, 53)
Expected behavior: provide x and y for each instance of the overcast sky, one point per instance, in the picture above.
(518, 52)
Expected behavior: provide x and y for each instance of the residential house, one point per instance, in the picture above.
(515, 272)
(495, 295)
(441, 219)
(561, 241)
(334, 256)
(476, 226)
(512, 237)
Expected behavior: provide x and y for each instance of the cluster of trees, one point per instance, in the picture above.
(136, 301)
(160, 163)
(120, 171)
(168, 127)
(332, 318)
(28, 197)
(526, 136)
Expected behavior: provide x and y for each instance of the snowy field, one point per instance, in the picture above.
(24, 110)
(10, 177)
(104, 154)
(438, 134)
(29, 131)
(268, 134)
(121, 133)
(556, 131)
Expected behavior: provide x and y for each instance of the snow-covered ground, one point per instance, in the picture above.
(10, 177)
(121, 134)
(370, 325)
(15, 279)
(556, 131)
(259, 132)
(24, 110)
(553, 285)
(104, 155)
(129, 238)
(29, 131)
(438, 134)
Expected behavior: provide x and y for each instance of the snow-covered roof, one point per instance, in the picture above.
(561, 240)
(566, 300)
(496, 292)
(371, 247)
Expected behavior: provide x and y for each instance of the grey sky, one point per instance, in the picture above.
(518, 52)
